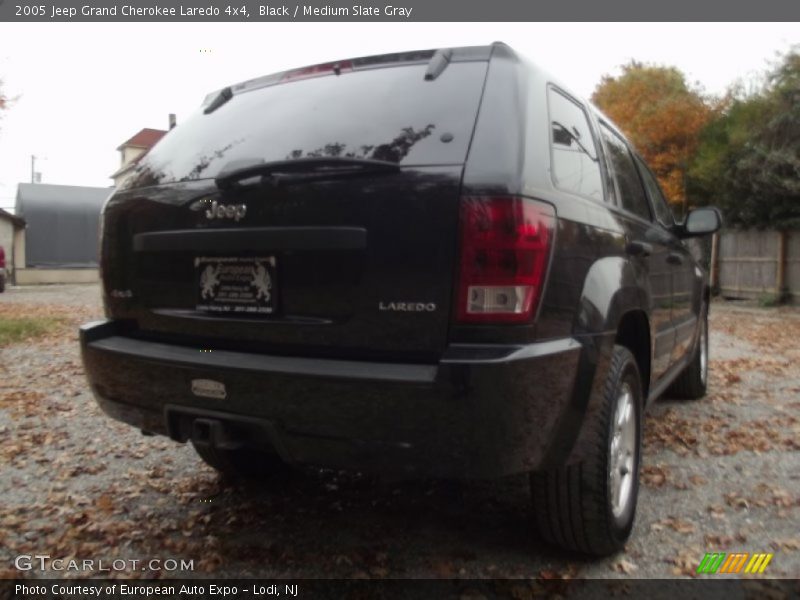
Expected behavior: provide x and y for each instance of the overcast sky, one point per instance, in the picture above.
(84, 88)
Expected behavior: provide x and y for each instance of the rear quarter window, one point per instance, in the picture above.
(575, 164)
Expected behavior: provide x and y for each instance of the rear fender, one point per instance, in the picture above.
(611, 289)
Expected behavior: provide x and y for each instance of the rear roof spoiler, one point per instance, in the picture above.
(462, 54)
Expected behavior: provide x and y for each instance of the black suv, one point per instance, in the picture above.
(435, 263)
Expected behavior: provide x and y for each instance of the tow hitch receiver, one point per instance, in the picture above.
(212, 432)
(221, 430)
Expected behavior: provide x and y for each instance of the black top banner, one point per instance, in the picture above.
(399, 10)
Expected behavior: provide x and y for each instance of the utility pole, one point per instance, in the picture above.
(35, 177)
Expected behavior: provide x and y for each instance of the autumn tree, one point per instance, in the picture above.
(661, 115)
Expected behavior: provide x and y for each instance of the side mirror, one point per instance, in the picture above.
(701, 221)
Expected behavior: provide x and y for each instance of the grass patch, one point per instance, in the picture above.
(769, 300)
(23, 328)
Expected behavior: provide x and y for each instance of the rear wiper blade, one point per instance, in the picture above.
(302, 169)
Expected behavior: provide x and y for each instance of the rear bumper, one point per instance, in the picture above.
(482, 411)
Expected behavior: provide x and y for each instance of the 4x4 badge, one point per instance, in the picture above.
(226, 211)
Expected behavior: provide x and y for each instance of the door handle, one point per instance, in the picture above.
(638, 248)
(674, 258)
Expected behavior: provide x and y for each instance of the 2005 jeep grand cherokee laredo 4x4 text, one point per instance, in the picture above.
(434, 263)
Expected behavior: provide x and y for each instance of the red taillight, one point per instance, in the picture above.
(505, 247)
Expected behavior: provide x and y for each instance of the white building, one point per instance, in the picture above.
(132, 150)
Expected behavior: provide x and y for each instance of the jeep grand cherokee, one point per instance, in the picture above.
(433, 263)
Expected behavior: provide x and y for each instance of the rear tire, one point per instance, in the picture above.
(590, 507)
(2, 284)
(692, 383)
(242, 463)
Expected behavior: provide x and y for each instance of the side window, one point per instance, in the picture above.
(574, 155)
(630, 190)
(663, 212)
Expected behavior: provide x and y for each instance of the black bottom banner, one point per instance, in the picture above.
(461, 589)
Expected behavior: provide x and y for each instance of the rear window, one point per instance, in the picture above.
(390, 114)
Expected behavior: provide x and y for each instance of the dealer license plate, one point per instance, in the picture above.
(236, 285)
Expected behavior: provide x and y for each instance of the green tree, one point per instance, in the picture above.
(720, 142)
(661, 114)
(748, 162)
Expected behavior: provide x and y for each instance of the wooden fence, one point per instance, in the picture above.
(756, 264)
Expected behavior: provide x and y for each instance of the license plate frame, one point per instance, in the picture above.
(236, 285)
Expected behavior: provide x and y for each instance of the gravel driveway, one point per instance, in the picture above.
(720, 474)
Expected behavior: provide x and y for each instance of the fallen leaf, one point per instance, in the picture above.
(717, 542)
(105, 503)
(624, 566)
(654, 475)
(786, 544)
